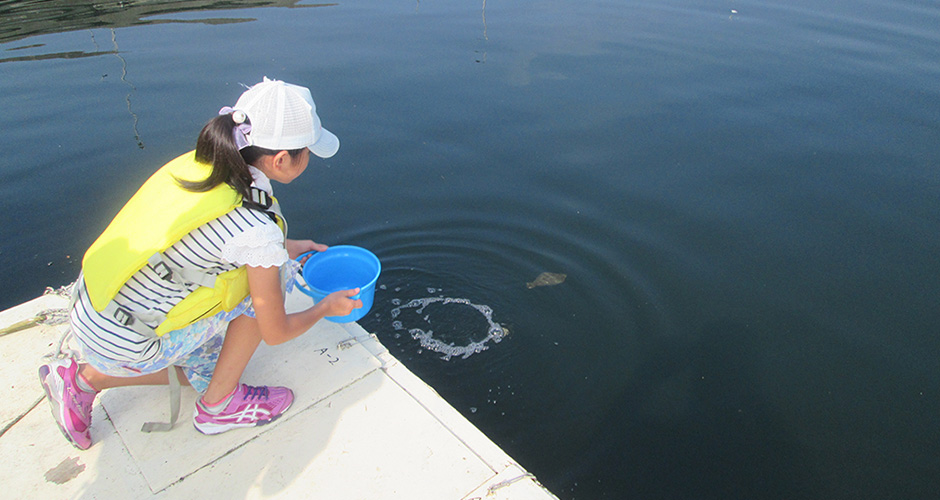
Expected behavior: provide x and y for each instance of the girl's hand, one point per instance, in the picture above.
(340, 303)
(296, 248)
(272, 323)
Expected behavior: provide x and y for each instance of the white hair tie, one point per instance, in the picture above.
(238, 116)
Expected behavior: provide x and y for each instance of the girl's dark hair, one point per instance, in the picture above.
(216, 146)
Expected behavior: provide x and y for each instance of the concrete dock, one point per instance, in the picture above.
(362, 426)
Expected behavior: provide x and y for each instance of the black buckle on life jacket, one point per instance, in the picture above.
(123, 316)
(163, 271)
(260, 201)
(260, 198)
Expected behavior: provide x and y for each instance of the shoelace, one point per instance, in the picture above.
(256, 392)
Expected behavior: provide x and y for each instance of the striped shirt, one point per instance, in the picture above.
(240, 237)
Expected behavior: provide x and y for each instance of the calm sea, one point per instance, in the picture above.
(742, 194)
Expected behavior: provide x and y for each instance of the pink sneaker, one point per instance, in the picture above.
(71, 406)
(247, 407)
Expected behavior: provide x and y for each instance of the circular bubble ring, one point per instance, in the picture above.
(495, 332)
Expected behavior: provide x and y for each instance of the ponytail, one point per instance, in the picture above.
(216, 146)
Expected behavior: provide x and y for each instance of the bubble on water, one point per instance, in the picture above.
(396, 302)
(495, 331)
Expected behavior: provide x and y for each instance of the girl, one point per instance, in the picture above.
(192, 272)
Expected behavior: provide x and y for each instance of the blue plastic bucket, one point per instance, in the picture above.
(342, 267)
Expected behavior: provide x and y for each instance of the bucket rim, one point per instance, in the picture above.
(340, 248)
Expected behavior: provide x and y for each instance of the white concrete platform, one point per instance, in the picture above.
(362, 426)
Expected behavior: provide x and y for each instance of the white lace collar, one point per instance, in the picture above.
(260, 181)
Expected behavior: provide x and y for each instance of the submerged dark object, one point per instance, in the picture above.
(547, 279)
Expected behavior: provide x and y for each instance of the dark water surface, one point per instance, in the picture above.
(742, 194)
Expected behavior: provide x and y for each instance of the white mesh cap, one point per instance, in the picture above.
(284, 117)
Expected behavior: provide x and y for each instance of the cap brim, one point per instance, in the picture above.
(327, 146)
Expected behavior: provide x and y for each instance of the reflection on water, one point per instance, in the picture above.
(24, 19)
(20, 20)
(117, 53)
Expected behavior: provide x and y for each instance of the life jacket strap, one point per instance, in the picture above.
(170, 271)
(260, 197)
(127, 319)
(172, 373)
(261, 201)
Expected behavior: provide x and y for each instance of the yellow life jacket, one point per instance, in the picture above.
(160, 214)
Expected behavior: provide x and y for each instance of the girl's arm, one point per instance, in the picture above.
(296, 248)
(275, 324)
